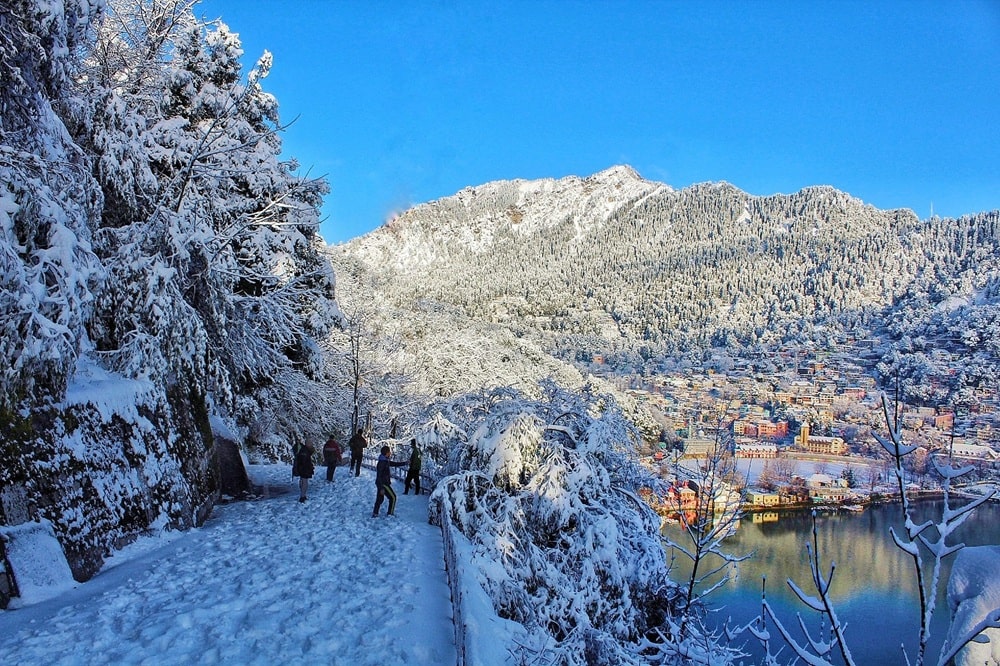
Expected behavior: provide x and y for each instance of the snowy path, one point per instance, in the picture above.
(266, 582)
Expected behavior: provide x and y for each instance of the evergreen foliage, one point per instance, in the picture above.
(644, 276)
(209, 238)
(48, 270)
(159, 264)
(547, 493)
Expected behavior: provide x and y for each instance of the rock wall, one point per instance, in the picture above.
(116, 459)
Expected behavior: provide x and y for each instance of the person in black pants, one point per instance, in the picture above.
(413, 473)
(383, 482)
(357, 444)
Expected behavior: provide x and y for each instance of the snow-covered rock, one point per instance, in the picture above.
(37, 560)
(973, 594)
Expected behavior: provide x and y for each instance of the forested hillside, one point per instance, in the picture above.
(642, 275)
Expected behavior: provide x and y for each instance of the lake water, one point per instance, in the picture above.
(874, 587)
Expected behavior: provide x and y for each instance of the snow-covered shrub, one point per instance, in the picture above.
(546, 491)
(435, 438)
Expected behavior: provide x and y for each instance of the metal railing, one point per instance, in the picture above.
(454, 584)
(369, 460)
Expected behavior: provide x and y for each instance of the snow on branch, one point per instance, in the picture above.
(565, 548)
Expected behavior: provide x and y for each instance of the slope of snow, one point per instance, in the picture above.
(477, 219)
(266, 582)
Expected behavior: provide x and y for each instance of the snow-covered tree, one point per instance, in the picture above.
(216, 280)
(152, 244)
(48, 201)
(547, 493)
(705, 527)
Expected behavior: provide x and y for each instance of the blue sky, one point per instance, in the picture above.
(398, 103)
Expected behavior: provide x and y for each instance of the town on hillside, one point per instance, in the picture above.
(803, 436)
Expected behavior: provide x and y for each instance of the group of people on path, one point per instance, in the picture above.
(303, 467)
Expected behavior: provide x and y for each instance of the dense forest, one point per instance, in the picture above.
(641, 275)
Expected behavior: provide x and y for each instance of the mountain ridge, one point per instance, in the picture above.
(511, 204)
(613, 265)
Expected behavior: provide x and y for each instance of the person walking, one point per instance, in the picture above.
(383, 482)
(295, 459)
(305, 469)
(413, 473)
(357, 445)
(331, 457)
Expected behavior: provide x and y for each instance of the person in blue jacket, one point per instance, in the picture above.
(383, 482)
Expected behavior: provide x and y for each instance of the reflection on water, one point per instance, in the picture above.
(874, 589)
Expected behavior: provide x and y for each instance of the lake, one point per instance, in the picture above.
(874, 587)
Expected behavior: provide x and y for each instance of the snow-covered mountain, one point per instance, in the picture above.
(635, 271)
(479, 220)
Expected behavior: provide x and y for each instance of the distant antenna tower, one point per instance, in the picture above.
(932, 209)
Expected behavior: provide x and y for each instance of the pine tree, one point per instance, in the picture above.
(48, 201)
(211, 239)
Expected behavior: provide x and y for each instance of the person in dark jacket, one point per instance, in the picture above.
(295, 459)
(383, 482)
(413, 473)
(357, 445)
(331, 457)
(304, 468)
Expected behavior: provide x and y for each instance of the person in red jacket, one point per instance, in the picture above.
(331, 457)
(383, 482)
